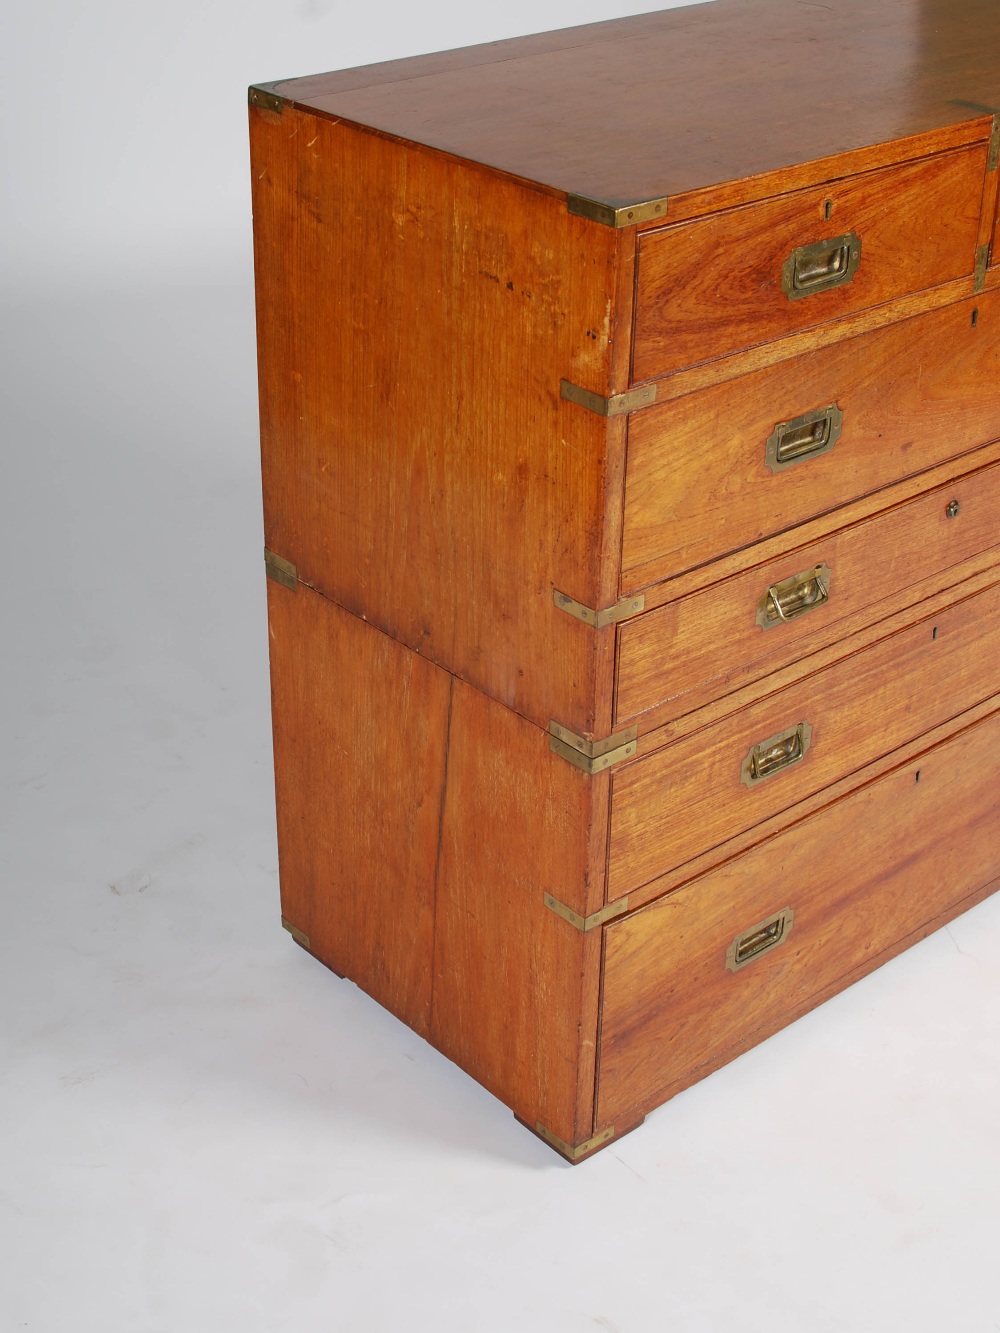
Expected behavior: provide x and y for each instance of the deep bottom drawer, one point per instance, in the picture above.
(706, 972)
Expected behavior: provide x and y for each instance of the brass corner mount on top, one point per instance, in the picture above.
(617, 215)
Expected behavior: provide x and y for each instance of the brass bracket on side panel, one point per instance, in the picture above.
(615, 406)
(592, 756)
(282, 571)
(587, 923)
(299, 936)
(582, 1149)
(982, 264)
(993, 155)
(261, 95)
(629, 606)
(617, 215)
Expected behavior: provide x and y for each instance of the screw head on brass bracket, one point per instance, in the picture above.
(262, 96)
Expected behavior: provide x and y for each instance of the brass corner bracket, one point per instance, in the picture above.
(592, 756)
(569, 1151)
(262, 96)
(299, 936)
(617, 215)
(628, 606)
(281, 570)
(587, 923)
(615, 406)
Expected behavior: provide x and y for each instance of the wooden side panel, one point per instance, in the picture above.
(714, 286)
(689, 797)
(864, 877)
(415, 317)
(515, 986)
(704, 646)
(360, 731)
(912, 395)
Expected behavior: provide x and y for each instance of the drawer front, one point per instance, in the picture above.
(701, 479)
(751, 275)
(721, 638)
(693, 795)
(708, 970)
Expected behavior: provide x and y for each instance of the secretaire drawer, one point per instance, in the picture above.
(695, 794)
(753, 274)
(699, 975)
(718, 470)
(718, 639)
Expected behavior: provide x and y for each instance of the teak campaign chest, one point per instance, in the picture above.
(630, 416)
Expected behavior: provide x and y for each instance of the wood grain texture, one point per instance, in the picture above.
(709, 644)
(913, 394)
(515, 986)
(865, 877)
(714, 286)
(688, 797)
(669, 103)
(360, 733)
(415, 318)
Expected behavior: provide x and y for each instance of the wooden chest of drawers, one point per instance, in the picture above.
(630, 415)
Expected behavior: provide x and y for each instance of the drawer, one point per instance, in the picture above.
(703, 475)
(751, 275)
(703, 646)
(693, 795)
(702, 974)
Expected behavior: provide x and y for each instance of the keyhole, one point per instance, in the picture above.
(829, 209)
(975, 317)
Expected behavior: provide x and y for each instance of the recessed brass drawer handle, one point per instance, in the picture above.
(806, 437)
(819, 267)
(759, 939)
(777, 753)
(794, 597)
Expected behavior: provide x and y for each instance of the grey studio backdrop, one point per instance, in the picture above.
(200, 1128)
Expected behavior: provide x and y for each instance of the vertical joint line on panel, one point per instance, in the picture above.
(440, 843)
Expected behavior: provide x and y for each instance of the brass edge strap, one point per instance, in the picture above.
(993, 158)
(615, 406)
(629, 606)
(982, 264)
(617, 215)
(262, 96)
(581, 1149)
(299, 936)
(587, 923)
(281, 570)
(592, 756)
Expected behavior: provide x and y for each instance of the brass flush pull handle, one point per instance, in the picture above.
(818, 268)
(794, 597)
(806, 437)
(777, 753)
(759, 939)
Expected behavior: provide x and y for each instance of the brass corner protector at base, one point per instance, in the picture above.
(592, 756)
(281, 570)
(581, 1150)
(617, 215)
(299, 936)
(262, 96)
(586, 923)
(628, 606)
(615, 406)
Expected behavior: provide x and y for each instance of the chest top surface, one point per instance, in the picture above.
(664, 103)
